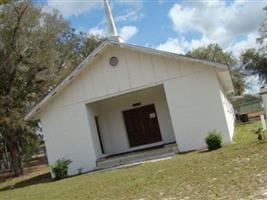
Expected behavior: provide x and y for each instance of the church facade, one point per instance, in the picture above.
(125, 98)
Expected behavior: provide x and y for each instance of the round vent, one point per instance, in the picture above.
(113, 61)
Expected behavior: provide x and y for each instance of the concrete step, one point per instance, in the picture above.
(139, 156)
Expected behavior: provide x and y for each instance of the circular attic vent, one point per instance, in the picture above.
(114, 61)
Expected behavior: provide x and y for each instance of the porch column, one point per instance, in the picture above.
(68, 135)
(263, 93)
(196, 108)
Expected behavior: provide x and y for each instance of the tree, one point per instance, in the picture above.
(37, 49)
(3, 2)
(263, 36)
(215, 53)
(255, 61)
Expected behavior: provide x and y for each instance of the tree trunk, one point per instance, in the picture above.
(15, 159)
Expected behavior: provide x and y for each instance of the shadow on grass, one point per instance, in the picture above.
(44, 178)
(207, 150)
(199, 151)
(186, 152)
(204, 151)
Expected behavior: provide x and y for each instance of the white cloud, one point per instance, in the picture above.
(182, 18)
(97, 31)
(182, 46)
(216, 21)
(217, 18)
(174, 45)
(130, 15)
(238, 47)
(70, 7)
(128, 32)
(77, 7)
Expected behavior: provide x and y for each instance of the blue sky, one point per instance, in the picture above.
(176, 26)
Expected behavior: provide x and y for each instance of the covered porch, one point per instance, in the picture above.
(125, 124)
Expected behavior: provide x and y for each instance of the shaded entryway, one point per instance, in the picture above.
(130, 122)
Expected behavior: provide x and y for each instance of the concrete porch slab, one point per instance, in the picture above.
(137, 157)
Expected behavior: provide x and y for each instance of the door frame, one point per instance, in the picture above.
(99, 134)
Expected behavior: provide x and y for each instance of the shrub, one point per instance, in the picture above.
(260, 133)
(80, 171)
(214, 140)
(60, 168)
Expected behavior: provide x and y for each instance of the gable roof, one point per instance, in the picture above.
(92, 56)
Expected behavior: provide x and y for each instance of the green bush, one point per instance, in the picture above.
(260, 133)
(60, 168)
(214, 140)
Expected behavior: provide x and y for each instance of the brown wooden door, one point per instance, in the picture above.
(142, 125)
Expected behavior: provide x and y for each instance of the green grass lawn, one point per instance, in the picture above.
(237, 171)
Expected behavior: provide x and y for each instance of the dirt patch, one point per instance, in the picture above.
(29, 172)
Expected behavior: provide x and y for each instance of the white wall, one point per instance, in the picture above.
(263, 93)
(112, 127)
(67, 135)
(135, 70)
(196, 108)
(229, 114)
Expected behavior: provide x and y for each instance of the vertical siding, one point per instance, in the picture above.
(134, 70)
(99, 78)
(122, 69)
(148, 72)
(88, 85)
(160, 69)
(173, 68)
(110, 74)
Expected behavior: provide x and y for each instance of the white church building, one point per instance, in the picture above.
(124, 98)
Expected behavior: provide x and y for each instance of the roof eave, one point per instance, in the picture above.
(90, 58)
